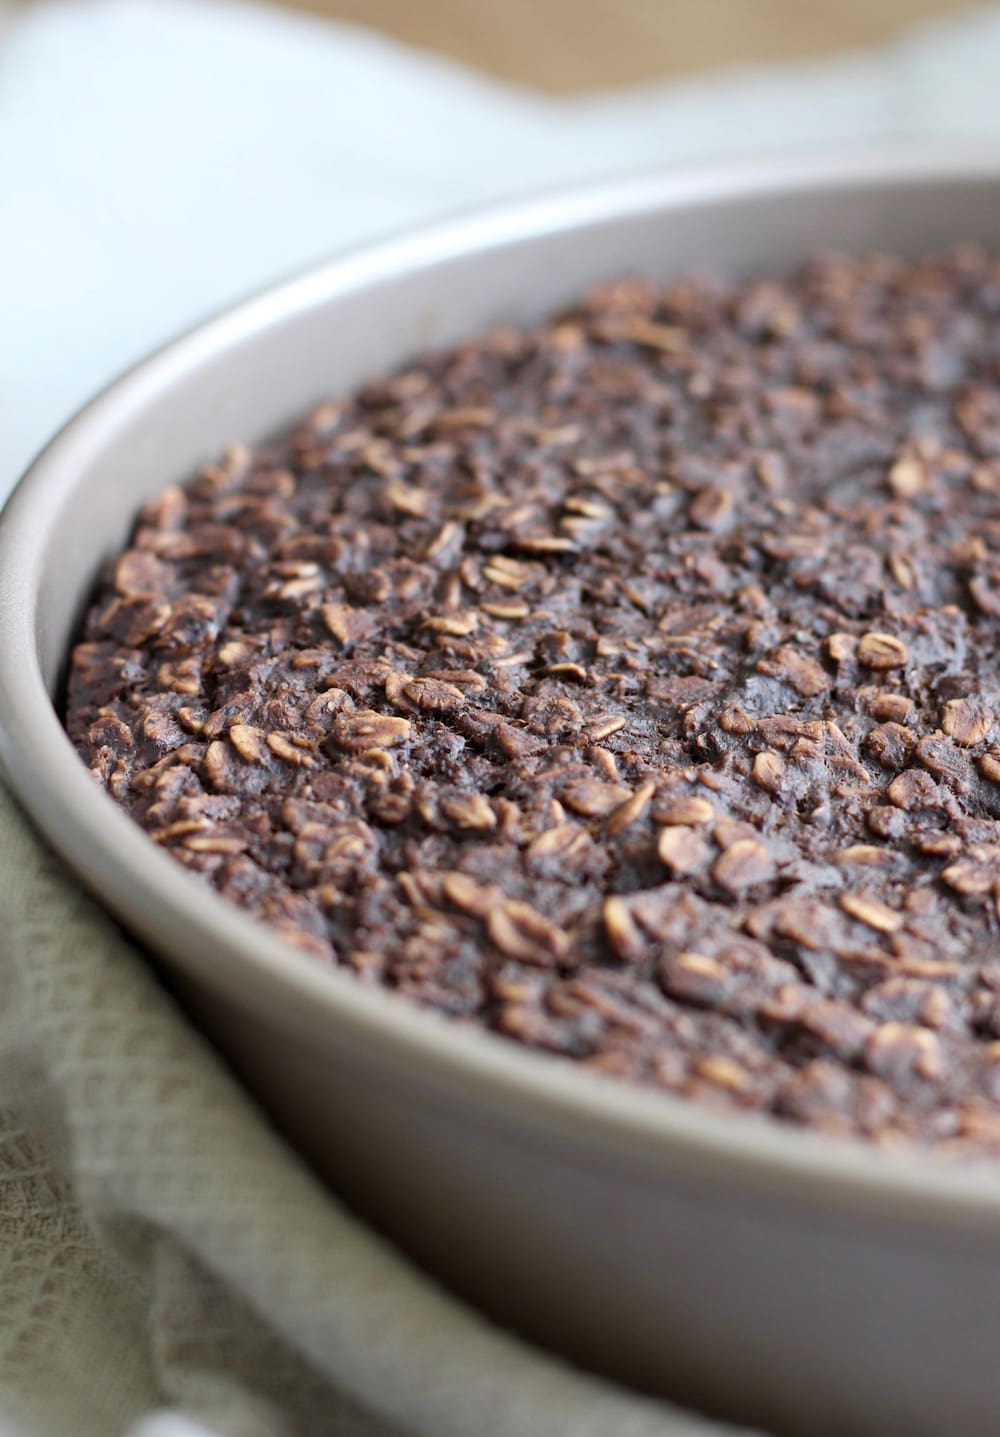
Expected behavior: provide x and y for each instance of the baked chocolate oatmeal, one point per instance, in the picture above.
(629, 686)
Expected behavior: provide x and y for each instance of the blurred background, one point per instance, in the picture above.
(567, 46)
(563, 46)
(138, 136)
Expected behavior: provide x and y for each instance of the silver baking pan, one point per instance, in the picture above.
(776, 1277)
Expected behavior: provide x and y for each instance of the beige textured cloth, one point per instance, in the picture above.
(160, 1247)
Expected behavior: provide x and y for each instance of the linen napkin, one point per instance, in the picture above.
(164, 1259)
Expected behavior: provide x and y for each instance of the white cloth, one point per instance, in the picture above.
(160, 1251)
(159, 158)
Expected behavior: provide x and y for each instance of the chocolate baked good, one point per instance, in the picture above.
(629, 686)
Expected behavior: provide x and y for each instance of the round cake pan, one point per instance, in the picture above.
(800, 1283)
